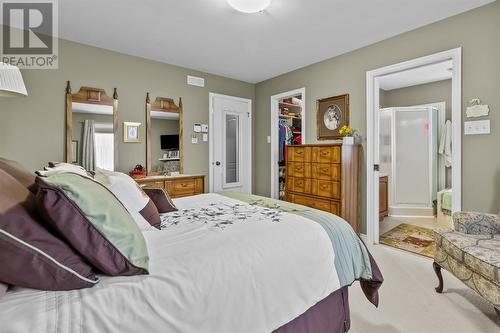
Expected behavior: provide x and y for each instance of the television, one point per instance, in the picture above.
(169, 142)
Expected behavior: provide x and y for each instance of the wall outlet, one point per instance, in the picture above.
(477, 127)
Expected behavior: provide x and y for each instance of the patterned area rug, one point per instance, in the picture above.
(411, 238)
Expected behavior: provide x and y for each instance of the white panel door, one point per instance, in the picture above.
(231, 144)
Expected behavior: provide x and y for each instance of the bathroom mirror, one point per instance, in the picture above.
(164, 151)
(92, 128)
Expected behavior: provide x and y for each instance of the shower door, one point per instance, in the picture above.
(414, 157)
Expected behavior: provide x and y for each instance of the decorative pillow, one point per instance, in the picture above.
(161, 199)
(60, 167)
(19, 173)
(139, 205)
(31, 256)
(94, 222)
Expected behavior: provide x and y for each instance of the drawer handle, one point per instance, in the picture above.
(324, 186)
(299, 152)
(324, 153)
(325, 170)
(298, 167)
(184, 184)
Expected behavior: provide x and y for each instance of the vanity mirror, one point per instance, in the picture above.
(92, 128)
(164, 151)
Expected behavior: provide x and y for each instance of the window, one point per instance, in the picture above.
(104, 152)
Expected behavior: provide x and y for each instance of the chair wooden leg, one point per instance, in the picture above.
(437, 270)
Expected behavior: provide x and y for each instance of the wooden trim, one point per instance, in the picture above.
(90, 95)
(163, 104)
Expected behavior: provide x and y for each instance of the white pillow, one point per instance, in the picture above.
(129, 193)
(59, 167)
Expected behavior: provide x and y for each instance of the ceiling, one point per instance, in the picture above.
(210, 36)
(419, 75)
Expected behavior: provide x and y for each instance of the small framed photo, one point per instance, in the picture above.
(332, 114)
(74, 152)
(131, 132)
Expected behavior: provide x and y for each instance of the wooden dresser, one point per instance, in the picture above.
(176, 186)
(325, 177)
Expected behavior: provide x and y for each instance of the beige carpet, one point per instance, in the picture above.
(409, 304)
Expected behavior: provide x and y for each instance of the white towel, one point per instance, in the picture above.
(445, 144)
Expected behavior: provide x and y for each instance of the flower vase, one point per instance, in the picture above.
(348, 140)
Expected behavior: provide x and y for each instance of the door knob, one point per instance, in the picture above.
(217, 163)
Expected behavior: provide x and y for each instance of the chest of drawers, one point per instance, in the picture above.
(176, 186)
(325, 177)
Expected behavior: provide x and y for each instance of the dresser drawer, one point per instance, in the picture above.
(325, 171)
(299, 169)
(310, 202)
(301, 185)
(326, 154)
(298, 153)
(180, 187)
(325, 188)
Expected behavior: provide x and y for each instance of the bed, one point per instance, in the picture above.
(226, 262)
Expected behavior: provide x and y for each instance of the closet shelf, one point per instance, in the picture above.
(288, 105)
(288, 116)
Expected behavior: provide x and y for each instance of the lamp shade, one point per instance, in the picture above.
(11, 81)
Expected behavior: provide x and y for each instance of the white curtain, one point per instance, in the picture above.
(88, 146)
(104, 157)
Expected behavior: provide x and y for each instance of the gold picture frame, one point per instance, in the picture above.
(131, 132)
(332, 114)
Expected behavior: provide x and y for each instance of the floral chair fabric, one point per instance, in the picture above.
(471, 252)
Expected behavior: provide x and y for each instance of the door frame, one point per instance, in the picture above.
(372, 121)
(211, 142)
(274, 134)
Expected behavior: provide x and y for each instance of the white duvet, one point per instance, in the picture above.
(253, 275)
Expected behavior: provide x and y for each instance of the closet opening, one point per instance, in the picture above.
(287, 128)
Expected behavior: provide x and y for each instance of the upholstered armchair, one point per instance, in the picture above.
(471, 252)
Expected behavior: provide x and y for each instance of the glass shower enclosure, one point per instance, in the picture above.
(409, 156)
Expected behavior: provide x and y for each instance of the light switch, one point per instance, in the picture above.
(477, 127)
(268, 139)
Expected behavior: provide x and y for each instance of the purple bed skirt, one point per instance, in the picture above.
(331, 315)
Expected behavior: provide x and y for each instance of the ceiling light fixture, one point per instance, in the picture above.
(249, 6)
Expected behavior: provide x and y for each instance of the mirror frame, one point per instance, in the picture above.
(163, 104)
(96, 96)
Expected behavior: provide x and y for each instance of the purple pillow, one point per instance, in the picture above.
(19, 173)
(31, 256)
(161, 200)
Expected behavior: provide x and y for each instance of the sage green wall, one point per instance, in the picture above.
(428, 93)
(32, 129)
(476, 31)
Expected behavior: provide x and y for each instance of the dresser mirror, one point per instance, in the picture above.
(92, 128)
(164, 151)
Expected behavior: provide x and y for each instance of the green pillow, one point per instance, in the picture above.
(94, 222)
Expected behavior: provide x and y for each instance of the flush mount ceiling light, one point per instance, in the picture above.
(249, 6)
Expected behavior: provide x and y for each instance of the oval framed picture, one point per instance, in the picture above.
(131, 132)
(332, 114)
